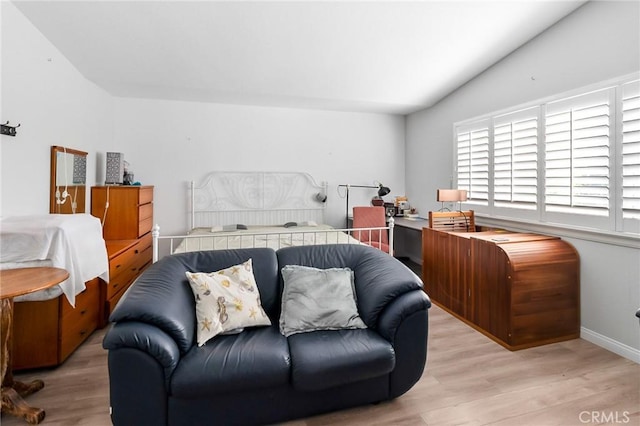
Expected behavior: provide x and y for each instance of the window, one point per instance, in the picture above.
(473, 163)
(631, 150)
(577, 154)
(515, 159)
(571, 159)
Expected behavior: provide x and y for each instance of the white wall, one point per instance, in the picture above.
(54, 104)
(169, 143)
(599, 41)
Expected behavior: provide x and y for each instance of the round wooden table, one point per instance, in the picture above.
(17, 282)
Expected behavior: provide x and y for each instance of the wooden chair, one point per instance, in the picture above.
(457, 221)
(371, 217)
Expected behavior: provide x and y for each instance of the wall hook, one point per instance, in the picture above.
(6, 129)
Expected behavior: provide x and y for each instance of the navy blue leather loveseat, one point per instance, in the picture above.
(160, 376)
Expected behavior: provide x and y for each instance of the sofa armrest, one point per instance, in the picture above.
(148, 339)
(405, 323)
(379, 280)
(400, 309)
(161, 297)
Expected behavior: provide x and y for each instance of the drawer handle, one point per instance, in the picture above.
(83, 332)
(115, 285)
(117, 266)
(136, 251)
(82, 312)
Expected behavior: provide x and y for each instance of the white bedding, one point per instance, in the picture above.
(274, 237)
(72, 242)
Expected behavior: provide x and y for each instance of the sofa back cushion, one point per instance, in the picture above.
(162, 295)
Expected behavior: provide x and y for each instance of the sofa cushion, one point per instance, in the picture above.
(226, 301)
(328, 358)
(318, 299)
(254, 359)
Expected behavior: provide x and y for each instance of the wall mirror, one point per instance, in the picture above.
(68, 180)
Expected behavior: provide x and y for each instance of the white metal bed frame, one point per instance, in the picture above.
(260, 198)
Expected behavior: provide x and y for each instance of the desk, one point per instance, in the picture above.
(408, 238)
(16, 282)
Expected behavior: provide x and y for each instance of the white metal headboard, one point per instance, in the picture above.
(256, 198)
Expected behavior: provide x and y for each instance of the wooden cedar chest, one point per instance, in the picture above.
(519, 289)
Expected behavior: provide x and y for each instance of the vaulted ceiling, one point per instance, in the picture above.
(379, 56)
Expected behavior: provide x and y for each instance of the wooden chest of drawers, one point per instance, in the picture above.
(52, 329)
(126, 211)
(127, 260)
(127, 215)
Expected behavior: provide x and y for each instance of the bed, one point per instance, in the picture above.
(232, 210)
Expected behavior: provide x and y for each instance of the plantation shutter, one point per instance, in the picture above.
(515, 159)
(631, 150)
(577, 164)
(473, 163)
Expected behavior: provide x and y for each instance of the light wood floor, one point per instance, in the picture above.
(469, 380)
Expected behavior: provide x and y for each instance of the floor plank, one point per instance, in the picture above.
(469, 380)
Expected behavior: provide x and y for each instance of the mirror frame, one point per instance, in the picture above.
(80, 191)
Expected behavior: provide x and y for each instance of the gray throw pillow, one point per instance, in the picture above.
(318, 299)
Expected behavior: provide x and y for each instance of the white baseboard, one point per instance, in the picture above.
(610, 344)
